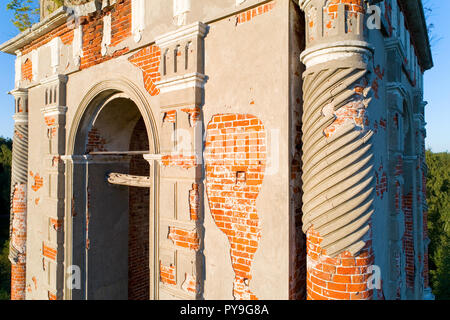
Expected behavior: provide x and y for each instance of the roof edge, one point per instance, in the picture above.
(51, 22)
(416, 21)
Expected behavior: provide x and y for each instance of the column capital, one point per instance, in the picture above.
(21, 101)
(334, 28)
(19, 92)
(326, 52)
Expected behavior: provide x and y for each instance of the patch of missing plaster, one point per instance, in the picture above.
(38, 181)
(190, 284)
(354, 112)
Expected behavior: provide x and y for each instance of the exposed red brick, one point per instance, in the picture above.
(248, 15)
(38, 182)
(381, 183)
(185, 161)
(95, 142)
(27, 70)
(18, 281)
(190, 284)
(120, 22)
(18, 240)
(52, 296)
(235, 154)
(342, 278)
(194, 114)
(408, 239)
(65, 32)
(148, 60)
(167, 274)
(138, 223)
(353, 112)
(49, 252)
(170, 116)
(194, 202)
(184, 238)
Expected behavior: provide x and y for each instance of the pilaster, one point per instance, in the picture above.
(181, 220)
(54, 113)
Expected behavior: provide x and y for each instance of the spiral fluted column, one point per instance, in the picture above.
(338, 174)
(19, 174)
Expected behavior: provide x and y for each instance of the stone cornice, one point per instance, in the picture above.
(335, 50)
(53, 21)
(417, 25)
(187, 32)
(19, 92)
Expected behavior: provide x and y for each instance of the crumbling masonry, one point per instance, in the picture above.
(255, 149)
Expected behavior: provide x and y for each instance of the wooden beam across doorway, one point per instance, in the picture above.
(118, 153)
(129, 180)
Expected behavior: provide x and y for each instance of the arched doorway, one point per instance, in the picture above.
(111, 237)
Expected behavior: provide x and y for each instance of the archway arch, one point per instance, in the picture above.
(111, 231)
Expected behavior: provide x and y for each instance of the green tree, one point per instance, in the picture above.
(26, 12)
(5, 272)
(438, 197)
(5, 178)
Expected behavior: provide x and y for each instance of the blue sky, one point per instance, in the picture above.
(437, 89)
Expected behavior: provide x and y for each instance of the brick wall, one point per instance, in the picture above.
(184, 238)
(64, 32)
(18, 281)
(93, 35)
(167, 274)
(120, 22)
(27, 70)
(92, 26)
(408, 240)
(148, 60)
(194, 202)
(342, 278)
(95, 142)
(235, 154)
(250, 14)
(18, 240)
(49, 252)
(138, 228)
(351, 6)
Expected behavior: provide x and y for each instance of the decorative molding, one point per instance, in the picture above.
(57, 78)
(77, 46)
(106, 39)
(180, 11)
(18, 69)
(196, 29)
(138, 19)
(193, 80)
(20, 119)
(55, 46)
(51, 22)
(153, 157)
(54, 110)
(35, 63)
(336, 50)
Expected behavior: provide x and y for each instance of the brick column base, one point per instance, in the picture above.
(344, 277)
(18, 281)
